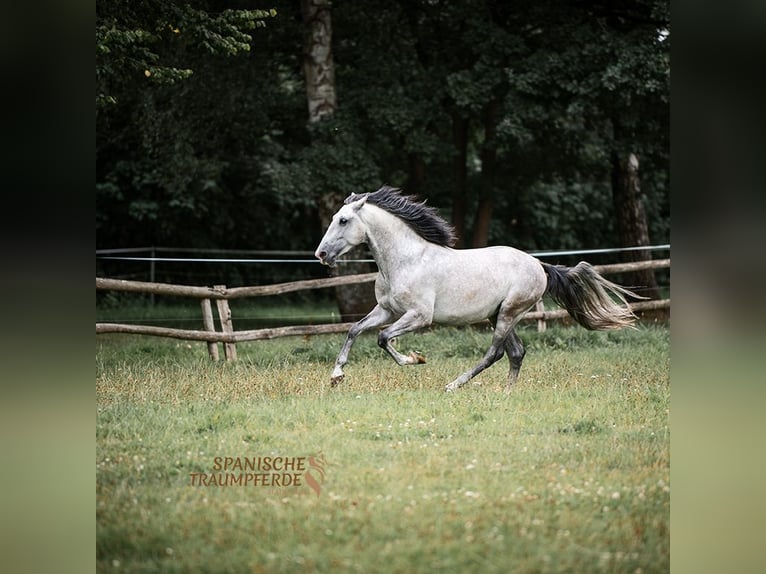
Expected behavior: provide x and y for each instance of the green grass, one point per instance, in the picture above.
(568, 473)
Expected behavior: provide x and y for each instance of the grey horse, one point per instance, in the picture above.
(422, 280)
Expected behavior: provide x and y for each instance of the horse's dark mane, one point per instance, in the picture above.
(424, 220)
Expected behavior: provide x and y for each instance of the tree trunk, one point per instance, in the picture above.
(631, 220)
(318, 65)
(460, 174)
(354, 301)
(487, 189)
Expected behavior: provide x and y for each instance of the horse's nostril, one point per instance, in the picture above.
(322, 254)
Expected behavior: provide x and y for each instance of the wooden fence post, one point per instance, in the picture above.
(224, 316)
(209, 324)
(541, 325)
(152, 272)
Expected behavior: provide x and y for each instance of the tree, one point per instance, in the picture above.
(602, 71)
(631, 217)
(506, 116)
(153, 39)
(354, 301)
(318, 65)
(162, 159)
(634, 97)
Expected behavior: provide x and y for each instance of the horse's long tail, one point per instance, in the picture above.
(587, 296)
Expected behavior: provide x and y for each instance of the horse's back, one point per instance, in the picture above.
(505, 263)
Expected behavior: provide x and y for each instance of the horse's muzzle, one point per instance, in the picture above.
(324, 258)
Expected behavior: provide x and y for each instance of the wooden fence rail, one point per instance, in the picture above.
(229, 337)
(222, 292)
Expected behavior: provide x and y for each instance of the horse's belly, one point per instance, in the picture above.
(456, 320)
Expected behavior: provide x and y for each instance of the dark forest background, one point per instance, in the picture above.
(243, 124)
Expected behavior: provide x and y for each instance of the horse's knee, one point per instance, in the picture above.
(383, 340)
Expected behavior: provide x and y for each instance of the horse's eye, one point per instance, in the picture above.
(343, 221)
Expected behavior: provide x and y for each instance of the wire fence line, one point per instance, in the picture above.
(112, 254)
(256, 266)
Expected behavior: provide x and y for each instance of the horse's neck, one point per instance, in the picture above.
(394, 245)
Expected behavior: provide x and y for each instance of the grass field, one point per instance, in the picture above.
(568, 473)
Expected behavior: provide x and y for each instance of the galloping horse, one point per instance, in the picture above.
(422, 280)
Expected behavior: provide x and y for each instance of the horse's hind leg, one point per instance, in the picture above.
(504, 340)
(515, 351)
(494, 353)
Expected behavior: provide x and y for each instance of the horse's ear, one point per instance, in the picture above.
(359, 204)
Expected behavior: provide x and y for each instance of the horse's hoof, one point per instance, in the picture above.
(417, 358)
(449, 388)
(335, 381)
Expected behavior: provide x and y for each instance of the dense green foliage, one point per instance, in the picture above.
(203, 139)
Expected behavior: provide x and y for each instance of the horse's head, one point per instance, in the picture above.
(346, 230)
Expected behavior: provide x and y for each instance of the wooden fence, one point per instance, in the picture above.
(229, 337)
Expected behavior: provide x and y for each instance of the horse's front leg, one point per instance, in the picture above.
(410, 321)
(375, 318)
